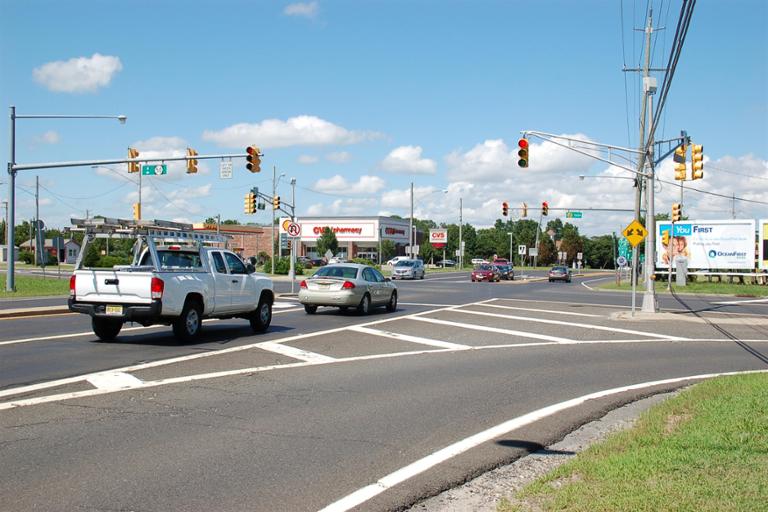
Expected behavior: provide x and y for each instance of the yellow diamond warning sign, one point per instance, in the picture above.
(635, 233)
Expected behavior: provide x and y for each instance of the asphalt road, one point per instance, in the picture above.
(324, 405)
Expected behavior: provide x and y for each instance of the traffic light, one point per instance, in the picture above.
(290, 244)
(545, 208)
(525, 210)
(276, 203)
(250, 203)
(191, 162)
(679, 157)
(523, 152)
(253, 158)
(697, 161)
(136, 211)
(505, 208)
(133, 166)
(665, 238)
(677, 212)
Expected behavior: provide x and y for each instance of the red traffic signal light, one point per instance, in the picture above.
(545, 208)
(505, 208)
(522, 152)
(253, 158)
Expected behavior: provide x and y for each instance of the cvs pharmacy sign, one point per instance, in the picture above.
(438, 237)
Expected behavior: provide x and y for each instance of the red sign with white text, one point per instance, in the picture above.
(438, 237)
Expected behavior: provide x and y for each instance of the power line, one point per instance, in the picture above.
(731, 197)
(710, 166)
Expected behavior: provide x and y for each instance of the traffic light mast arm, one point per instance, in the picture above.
(88, 163)
(584, 145)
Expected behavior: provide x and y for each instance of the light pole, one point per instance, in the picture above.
(461, 243)
(275, 179)
(10, 284)
(292, 270)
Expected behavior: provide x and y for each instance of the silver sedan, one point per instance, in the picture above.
(348, 285)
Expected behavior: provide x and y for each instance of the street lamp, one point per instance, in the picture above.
(10, 285)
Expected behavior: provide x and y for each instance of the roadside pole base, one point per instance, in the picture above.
(650, 304)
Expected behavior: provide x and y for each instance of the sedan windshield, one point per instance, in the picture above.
(405, 263)
(339, 271)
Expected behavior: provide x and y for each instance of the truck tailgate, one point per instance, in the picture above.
(113, 286)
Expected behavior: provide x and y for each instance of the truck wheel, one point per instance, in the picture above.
(262, 317)
(311, 310)
(106, 329)
(187, 327)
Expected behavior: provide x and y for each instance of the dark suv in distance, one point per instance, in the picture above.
(506, 271)
(559, 273)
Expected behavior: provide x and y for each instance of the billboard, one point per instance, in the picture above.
(762, 236)
(710, 244)
(438, 237)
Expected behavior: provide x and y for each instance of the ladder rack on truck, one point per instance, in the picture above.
(146, 232)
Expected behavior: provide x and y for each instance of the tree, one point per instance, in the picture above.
(555, 225)
(547, 251)
(599, 251)
(327, 242)
(388, 250)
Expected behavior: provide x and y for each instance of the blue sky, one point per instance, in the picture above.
(358, 99)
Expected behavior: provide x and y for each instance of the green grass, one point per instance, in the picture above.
(702, 287)
(703, 450)
(27, 286)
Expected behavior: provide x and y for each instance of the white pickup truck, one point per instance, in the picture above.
(169, 283)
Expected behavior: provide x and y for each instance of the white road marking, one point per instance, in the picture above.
(569, 313)
(407, 337)
(521, 334)
(750, 301)
(430, 305)
(401, 475)
(114, 381)
(296, 353)
(568, 324)
(283, 305)
(585, 285)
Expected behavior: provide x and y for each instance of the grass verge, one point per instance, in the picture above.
(27, 286)
(702, 287)
(703, 450)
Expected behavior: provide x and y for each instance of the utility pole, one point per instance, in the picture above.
(292, 270)
(410, 227)
(461, 242)
(274, 188)
(37, 214)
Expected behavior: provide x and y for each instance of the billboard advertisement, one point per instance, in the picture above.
(710, 244)
(762, 236)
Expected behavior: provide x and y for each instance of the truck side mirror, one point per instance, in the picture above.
(250, 268)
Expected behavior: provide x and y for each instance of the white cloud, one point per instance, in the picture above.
(338, 157)
(308, 159)
(174, 204)
(339, 185)
(80, 74)
(159, 147)
(301, 130)
(421, 196)
(305, 9)
(49, 137)
(357, 207)
(407, 159)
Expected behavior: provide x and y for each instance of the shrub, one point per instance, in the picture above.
(27, 256)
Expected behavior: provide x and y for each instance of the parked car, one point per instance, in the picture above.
(505, 271)
(408, 269)
(305, 261)
(318, 262)
(337, 259)
(485, 272)
(177, 285)
(446, 263)
(348, 285)
(501, 261)
(559, 273)
(394, 260)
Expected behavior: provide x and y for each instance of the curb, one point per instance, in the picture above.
(41, 311)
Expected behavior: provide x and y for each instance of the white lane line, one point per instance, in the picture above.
(114, 381)
(585, 285)
(283, 305)
(511, 332)
(430, 305)
(247, 371)
(569, 313)
(296, 353)
(750, 301)
(162, 362)
(568, 324)
(401, 475)
(408, 337)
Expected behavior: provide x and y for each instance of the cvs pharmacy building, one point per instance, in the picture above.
(359, 237)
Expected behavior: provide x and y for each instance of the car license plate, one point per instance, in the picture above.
(114, 310)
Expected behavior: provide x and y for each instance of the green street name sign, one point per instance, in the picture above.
(573, 215)
(154, 170)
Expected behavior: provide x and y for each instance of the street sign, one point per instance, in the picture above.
(579, 255)
(438, 237)
(293, 229)
(521, 250)
(533, 251)
(635, 233)
(154, 170)
(225, 170)
(573, 215)
(622, 261)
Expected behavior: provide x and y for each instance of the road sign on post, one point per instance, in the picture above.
(635, 233)
(573, 215)
(521, 250)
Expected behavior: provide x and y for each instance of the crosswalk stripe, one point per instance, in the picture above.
(296, 353)
(475, 327)
(408, 337)
(569, 313)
